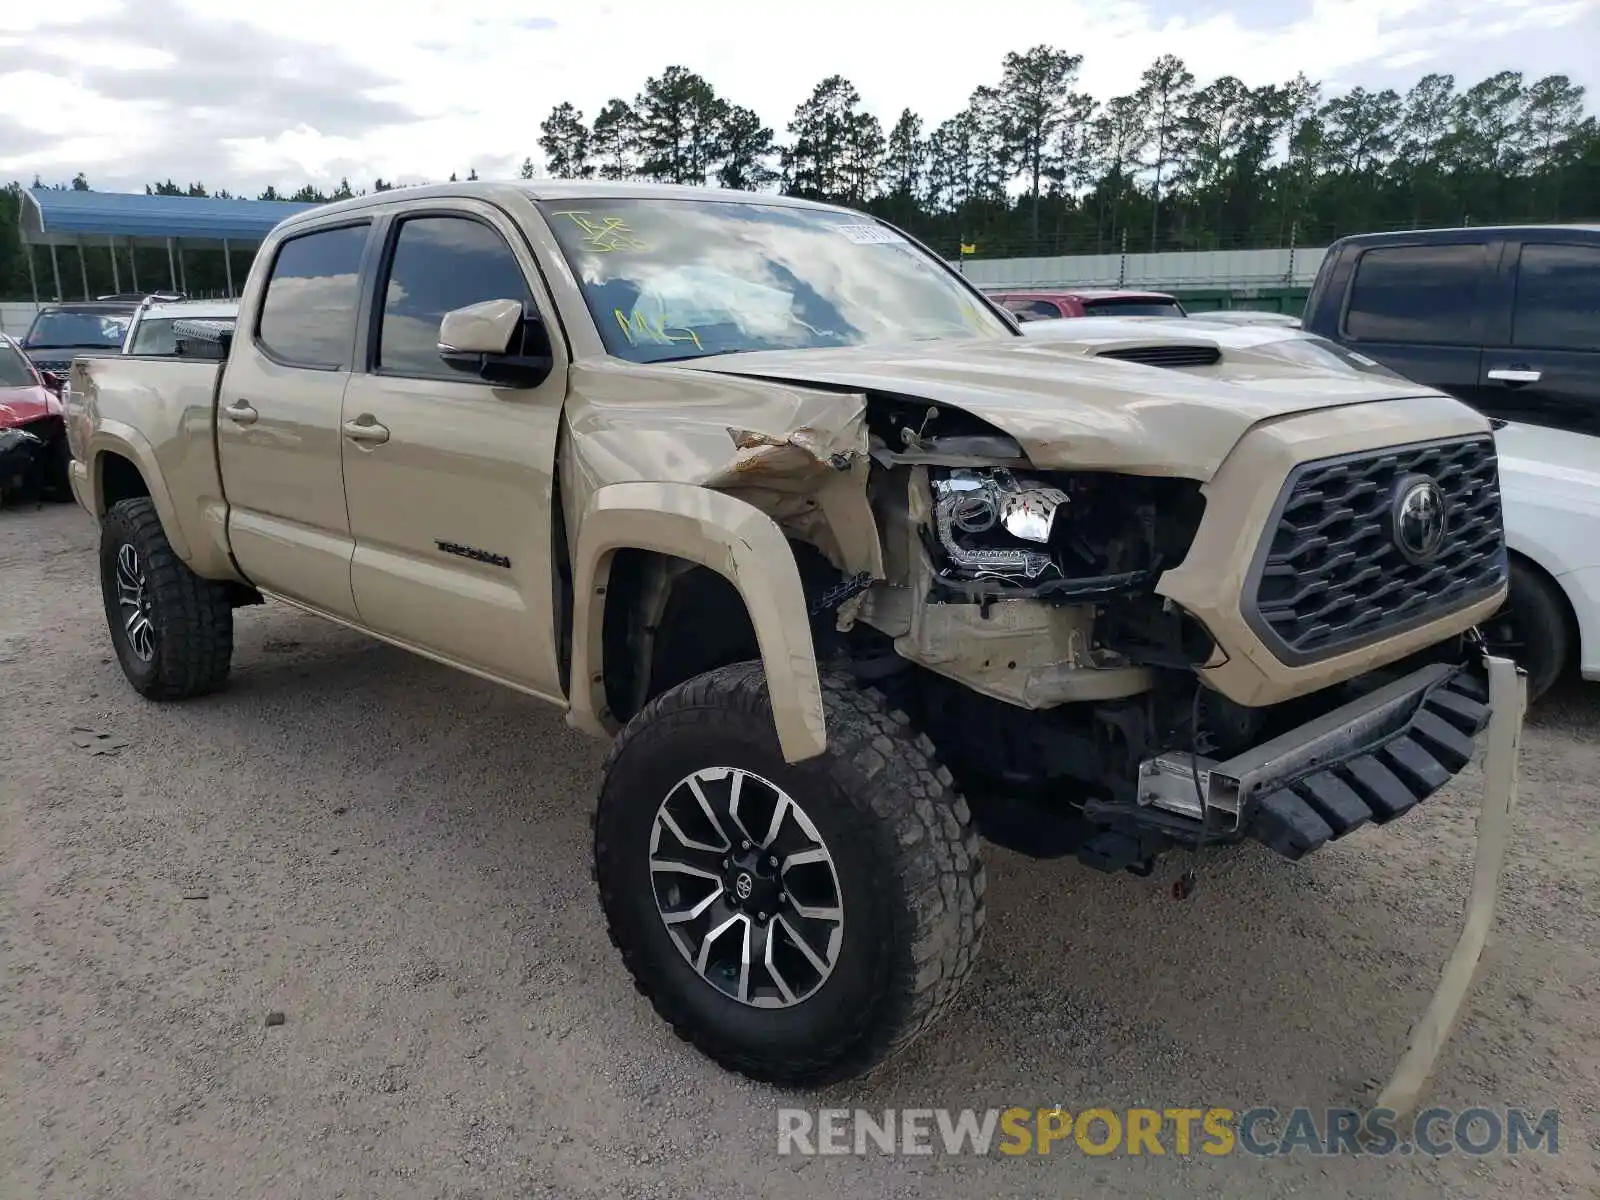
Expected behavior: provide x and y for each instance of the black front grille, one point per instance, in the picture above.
(1330, 575)
(1167, 356)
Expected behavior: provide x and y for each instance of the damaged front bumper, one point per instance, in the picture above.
(1368, 761)
(1372, 761)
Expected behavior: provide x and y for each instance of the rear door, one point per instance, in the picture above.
(1420, 309)
(1543, 365)
(277, 419)
(449, 478)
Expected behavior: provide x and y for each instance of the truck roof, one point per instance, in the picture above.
(1077, 293)
(1457, 233)
(555, 189)
(189, 308)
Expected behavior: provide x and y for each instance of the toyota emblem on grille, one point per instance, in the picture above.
(1418, 518)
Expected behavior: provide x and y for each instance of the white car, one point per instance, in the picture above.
(1549, 486)
(1248, 316)
(1550, 489)
(151, 331)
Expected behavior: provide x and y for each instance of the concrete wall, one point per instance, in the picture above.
(1234, 270)
(15, 316)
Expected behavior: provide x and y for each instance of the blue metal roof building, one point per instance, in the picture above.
(48, 212)
(56, 217)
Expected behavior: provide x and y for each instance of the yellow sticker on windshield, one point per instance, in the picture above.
(607, 234)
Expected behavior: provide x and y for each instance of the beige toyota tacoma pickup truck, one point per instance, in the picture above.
(849, 569)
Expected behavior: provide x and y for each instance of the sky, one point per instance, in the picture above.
(293, 91)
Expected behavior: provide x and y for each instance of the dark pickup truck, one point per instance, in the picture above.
(1505, 318)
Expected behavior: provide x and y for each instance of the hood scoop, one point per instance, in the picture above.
(1193, 354)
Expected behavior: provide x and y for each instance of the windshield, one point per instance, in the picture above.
(14, 369)
(64, 328)
(671, 279)
(155, 335)
(1133, 308)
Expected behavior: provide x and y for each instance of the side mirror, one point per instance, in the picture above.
(498, 342)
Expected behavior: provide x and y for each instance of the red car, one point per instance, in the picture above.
(1054, 303)
(33, 435)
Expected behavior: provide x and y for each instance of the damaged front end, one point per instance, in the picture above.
(25, 459)
(1015, 613)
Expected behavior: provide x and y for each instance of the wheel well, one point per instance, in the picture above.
(1568, 613)
(119, 480)
(668, 619)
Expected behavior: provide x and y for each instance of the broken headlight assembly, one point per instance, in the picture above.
(990, 526)
(1066, 536)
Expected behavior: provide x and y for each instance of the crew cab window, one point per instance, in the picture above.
(154, 336)
(308, 316)
(439, 264)
(1558, 298)
(1419, 294)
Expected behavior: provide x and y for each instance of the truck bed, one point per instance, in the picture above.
(160, 415)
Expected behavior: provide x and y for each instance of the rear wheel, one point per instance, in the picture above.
(172, 630)
(797, 922)
(1533, 628)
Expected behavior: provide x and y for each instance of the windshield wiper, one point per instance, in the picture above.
(677, 358)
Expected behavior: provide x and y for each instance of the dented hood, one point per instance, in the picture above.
(1068, 408)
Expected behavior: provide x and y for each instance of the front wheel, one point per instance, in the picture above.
(799, 922)
(172, 630)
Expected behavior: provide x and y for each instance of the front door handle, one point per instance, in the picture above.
(240, 412)
(1516, 375)
(366, 429)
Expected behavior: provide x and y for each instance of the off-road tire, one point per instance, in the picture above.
(1542, 622)
(192, 617)
(903, 844)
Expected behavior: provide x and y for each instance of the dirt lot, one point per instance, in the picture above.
(395, 857)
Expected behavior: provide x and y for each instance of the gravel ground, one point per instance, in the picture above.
(395, 857)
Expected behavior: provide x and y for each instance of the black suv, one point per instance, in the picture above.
(61, 332)
(1506, 319)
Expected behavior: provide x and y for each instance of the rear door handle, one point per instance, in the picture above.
(240, 412)
(1514, 375)
(366, 429)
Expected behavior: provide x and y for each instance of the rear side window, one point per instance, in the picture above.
(1131, 307)
(308, 316)
(154, 336)
(441, 263)
(1033, 308)
(1558, 298)
(1421, 294)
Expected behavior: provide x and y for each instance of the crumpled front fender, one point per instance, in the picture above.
(726, 535)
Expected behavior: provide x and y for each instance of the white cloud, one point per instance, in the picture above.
(478, 76)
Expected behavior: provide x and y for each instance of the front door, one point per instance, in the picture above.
(278, 439)
(447, 477)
